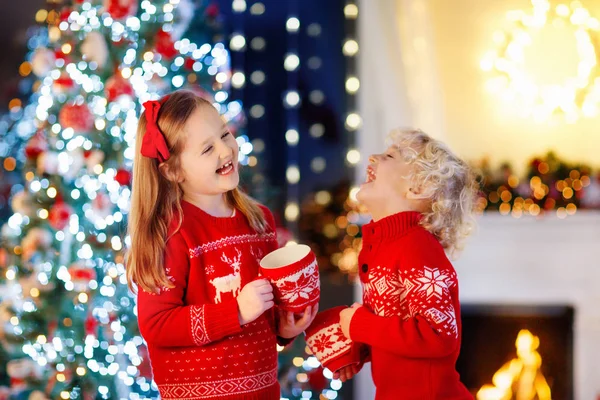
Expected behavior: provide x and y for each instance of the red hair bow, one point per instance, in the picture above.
(154, 144)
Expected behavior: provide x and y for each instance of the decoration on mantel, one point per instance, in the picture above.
(550, 185)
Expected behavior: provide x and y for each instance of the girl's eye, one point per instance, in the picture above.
(389, 156)
(208, 150)
(225, 135)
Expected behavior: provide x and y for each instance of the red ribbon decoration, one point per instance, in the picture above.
(154, 144)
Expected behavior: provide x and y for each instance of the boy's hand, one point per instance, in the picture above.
(289, 327)
(346, 373)
(345, 318)
(254, 299)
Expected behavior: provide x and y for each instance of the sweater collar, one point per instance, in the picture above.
(392, 226)
(233, 220)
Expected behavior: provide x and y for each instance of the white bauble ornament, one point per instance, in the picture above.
(94, 49)
(42, 61)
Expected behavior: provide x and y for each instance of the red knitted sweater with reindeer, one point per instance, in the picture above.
(198, 350)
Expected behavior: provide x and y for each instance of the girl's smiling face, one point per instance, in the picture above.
(209, 160)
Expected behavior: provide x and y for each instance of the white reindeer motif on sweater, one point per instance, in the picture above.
(228, 283)
(257, 254)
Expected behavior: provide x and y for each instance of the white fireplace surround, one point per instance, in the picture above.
(535, 261)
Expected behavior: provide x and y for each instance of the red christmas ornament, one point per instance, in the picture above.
(64, 15)
(58, 54)
(165, 45)
(76, 116)
(117, 86)
(64, 83)
(90, 325)
(123, 177)
(59, 215)
(189, 63)
(119, 9)
(317, 380)
(212, 11)
(36, 145)
(81, 275)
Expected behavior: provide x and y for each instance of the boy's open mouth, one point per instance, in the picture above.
(371, 175)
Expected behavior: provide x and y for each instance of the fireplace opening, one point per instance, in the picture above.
(489, 340)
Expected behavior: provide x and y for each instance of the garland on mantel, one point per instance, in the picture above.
(549, 185)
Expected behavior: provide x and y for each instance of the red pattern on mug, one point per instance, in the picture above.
(327, 342)
(294, 274)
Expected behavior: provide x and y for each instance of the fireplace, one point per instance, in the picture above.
(526, 273)
(488, 344)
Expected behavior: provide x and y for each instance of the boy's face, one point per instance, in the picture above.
(387, 184)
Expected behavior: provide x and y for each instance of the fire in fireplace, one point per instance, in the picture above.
(544, 333)
(520, 378)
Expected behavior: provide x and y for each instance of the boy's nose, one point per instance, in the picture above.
(373, 158)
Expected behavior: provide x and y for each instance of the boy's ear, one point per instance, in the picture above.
(418, 193)
(169, 174)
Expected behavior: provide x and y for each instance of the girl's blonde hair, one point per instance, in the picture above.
(156, 200)
(449, 183)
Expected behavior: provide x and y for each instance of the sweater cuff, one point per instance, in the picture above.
(362, 326)
(222, 320)
(283, 342)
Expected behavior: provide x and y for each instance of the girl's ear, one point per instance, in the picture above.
(169, 173)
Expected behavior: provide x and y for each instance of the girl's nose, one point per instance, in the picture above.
(224, 150)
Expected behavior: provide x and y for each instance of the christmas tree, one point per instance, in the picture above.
(68, 327)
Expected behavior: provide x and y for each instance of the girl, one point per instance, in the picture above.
(196, 241)
(421, 197)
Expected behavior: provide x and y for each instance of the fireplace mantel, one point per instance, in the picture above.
(541, 261)
(537, 261)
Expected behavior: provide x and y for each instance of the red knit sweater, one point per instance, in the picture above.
(411, 313)
(197, 348)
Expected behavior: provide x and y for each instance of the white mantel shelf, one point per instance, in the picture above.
(541, 261)
(537, 261)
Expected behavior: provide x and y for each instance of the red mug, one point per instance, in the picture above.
(327, 342)
(294, 274)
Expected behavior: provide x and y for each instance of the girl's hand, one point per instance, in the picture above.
(345, 318)
(346, 373)
(254, 299)
(289, 327)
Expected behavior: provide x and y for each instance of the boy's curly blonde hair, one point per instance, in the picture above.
(449, 183)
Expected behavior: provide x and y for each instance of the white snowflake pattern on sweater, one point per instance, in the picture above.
(409, 293)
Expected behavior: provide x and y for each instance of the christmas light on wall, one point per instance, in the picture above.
(291, 102)
(353, 120)
(573, 95)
